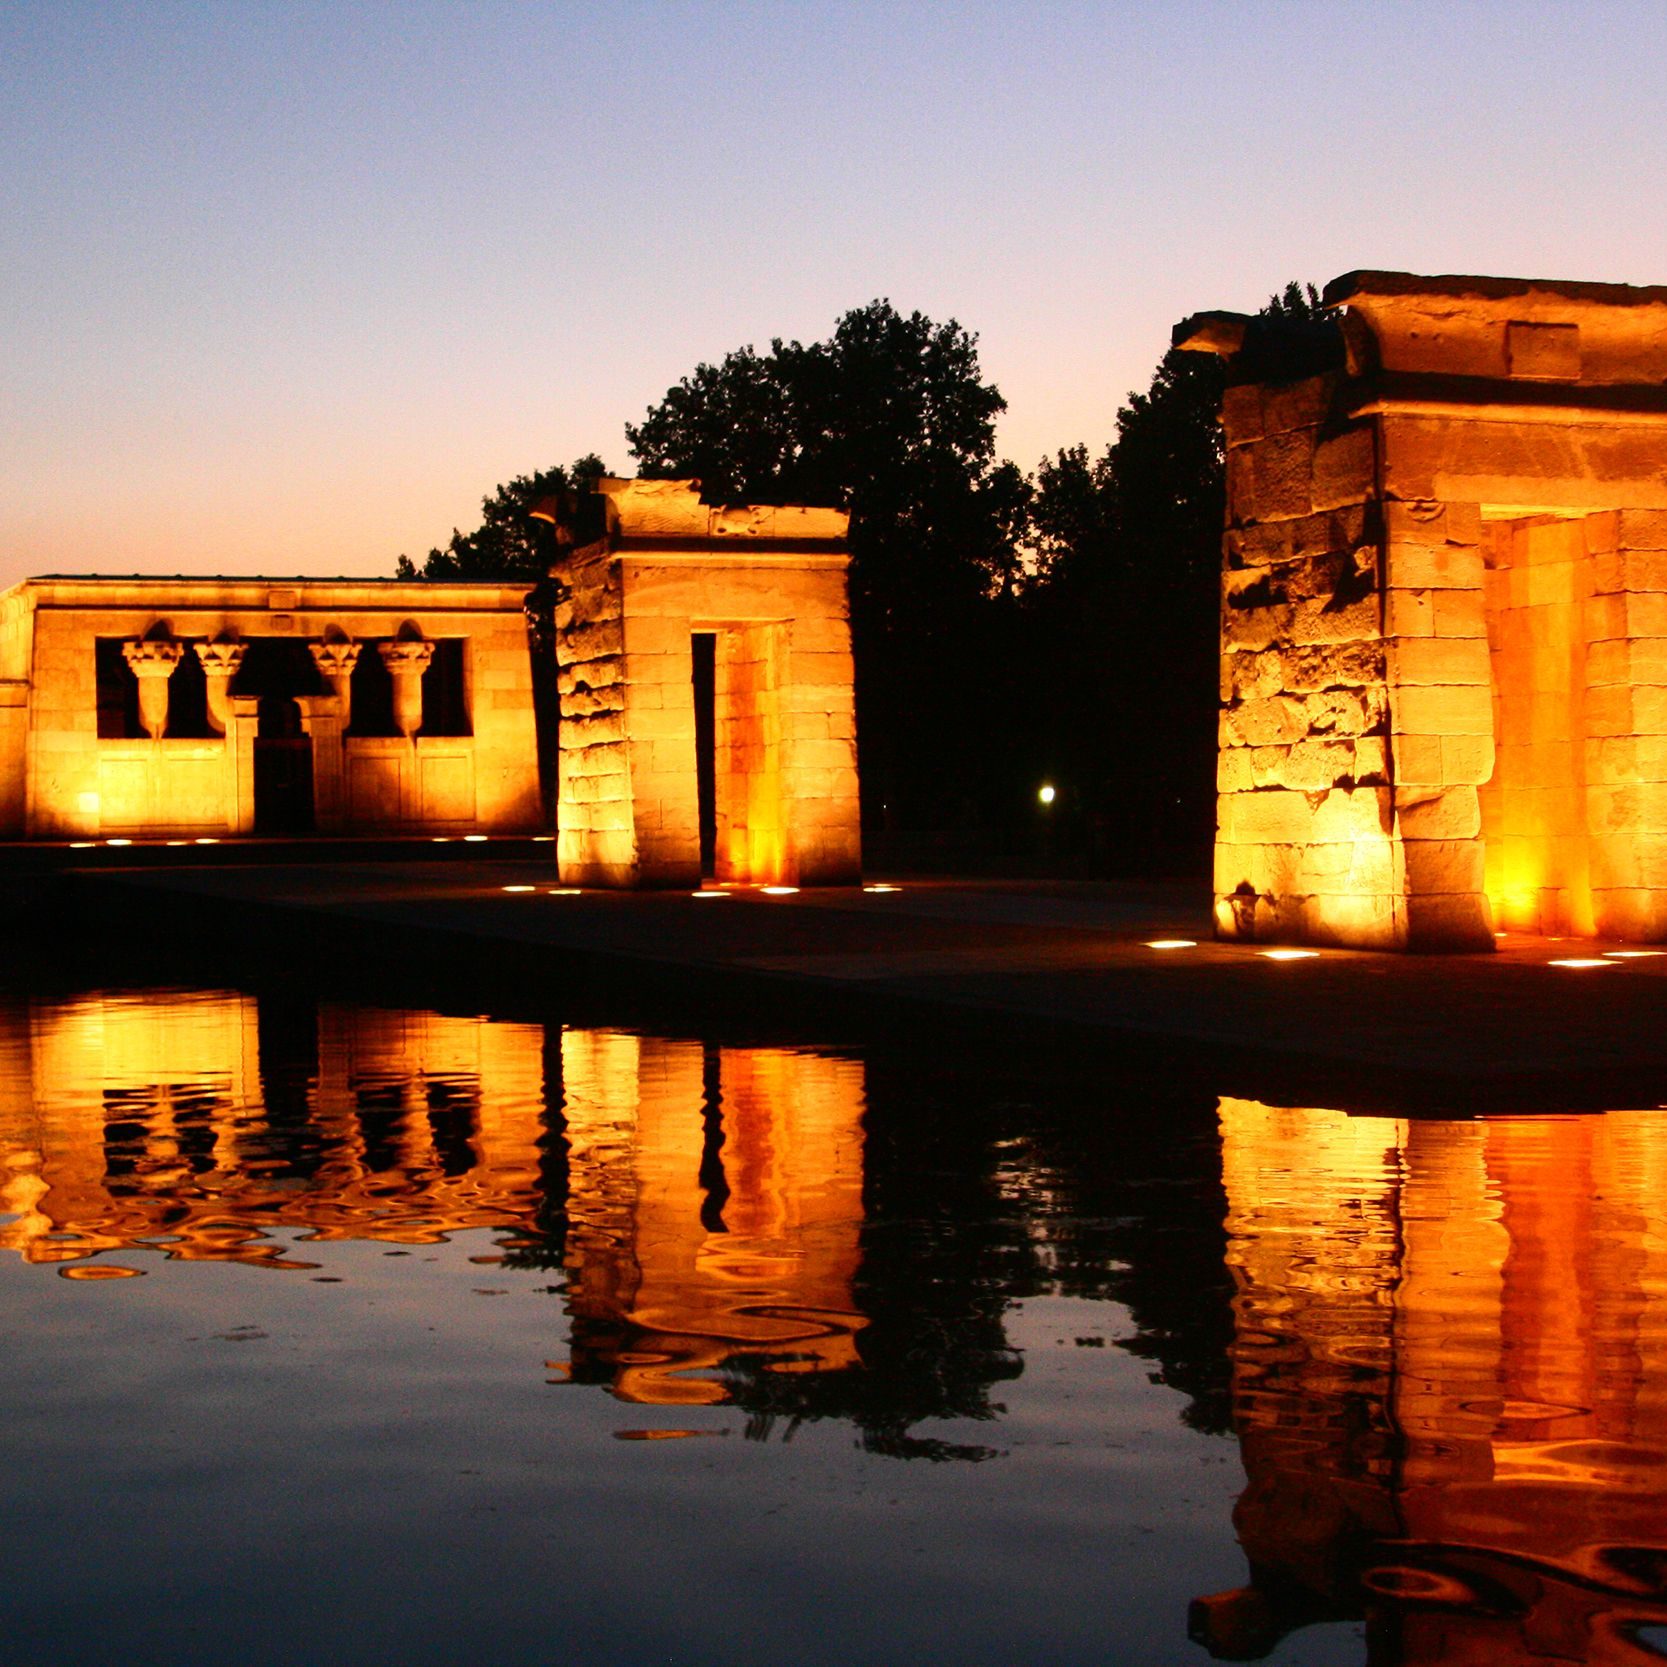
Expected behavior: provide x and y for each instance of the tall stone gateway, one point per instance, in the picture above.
(1444, 614)
(707, 713)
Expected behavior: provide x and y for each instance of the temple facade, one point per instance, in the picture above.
(1444, 614)
(214, 707)
(708, 720)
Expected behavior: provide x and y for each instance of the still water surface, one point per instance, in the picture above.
(363, 1334)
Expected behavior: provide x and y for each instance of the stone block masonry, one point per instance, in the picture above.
(769, 586)
(1444, 614)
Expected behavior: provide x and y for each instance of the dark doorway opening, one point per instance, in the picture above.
(705, 655)
(276, 670)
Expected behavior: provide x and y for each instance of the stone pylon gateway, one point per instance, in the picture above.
(1444, 614)
(660, 589)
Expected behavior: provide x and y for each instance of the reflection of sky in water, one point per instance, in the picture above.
(323, 1425)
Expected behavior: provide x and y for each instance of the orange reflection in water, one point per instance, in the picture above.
(144, 1120)
(685, 1251)
(1450, 1383)
(713, 1201)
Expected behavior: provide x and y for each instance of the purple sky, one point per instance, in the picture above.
(288, 288)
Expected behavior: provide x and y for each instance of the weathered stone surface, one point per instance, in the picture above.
(784, 751)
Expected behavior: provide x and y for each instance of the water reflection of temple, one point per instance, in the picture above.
(161, 1120)
(705, 1202)
(1449, 1383)
(714, 1209)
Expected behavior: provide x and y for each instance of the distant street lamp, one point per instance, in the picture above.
(1046, 794)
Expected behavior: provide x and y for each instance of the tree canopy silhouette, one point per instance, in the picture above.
(890, 418)
(508, 543)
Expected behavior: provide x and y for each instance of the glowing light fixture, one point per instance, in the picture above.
(474, 839)
(1046, 793)
(442, 839)
(704, 892)
(179, 841)
(1632, 954)
(118, 842)
(1580, 961)
(778, 891)
(882, 888)
(565, 891)
(82, 844)
(544, 839)
(1171, 943)
(520, 888)
(1290, 954)
(205, 839)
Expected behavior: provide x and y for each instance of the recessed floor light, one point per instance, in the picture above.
(1171, 943)
(474, 839)
(778, 891)
(1289, 954)
(882, 888)
(1580, 961)
(118, 842)
(520, 888)
(564, 891)
(1632, 954)
(708, 892)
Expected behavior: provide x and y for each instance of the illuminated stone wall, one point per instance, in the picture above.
(1444, 637)
(61, 778)
(769, 585)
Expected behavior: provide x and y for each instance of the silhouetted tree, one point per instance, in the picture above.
(1126, 597)
(508, 543)
(891, 419)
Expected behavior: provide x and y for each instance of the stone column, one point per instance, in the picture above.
(406, 661)
(153, 661)
(222, 659)
(241, 730)
(321, 721)
(335, 657)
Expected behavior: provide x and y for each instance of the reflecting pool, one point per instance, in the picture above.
(347, 1332)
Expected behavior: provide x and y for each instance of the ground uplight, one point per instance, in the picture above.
(882, 888)
(707, 892)
(1580, 961)
(520, 888)
(474, 839)
(564, 891)
(1171, 943)
(778, 891)
(118, 842)
(1290, 954)
(1632, 954)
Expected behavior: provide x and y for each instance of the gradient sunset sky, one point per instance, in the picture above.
(287, 288)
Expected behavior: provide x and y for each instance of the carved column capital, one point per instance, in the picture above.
(335, 657)
(407, 659)
(222, 658)
(153, 657)
(152, 660)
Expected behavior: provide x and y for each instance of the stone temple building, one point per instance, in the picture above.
(706, 720)
(214, 707)
(707, 713)
(1444, 614)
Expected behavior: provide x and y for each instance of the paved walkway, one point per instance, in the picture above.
(998, 963)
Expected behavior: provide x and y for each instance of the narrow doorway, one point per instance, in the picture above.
(276, 670)
(704, 647)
